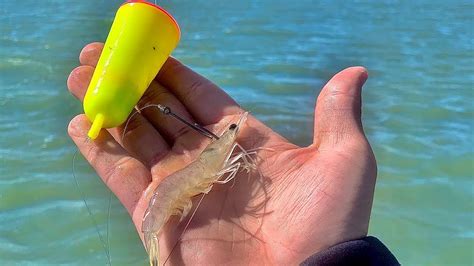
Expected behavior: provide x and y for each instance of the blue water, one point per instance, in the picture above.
(273, 57)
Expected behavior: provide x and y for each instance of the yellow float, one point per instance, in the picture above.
(141, 38)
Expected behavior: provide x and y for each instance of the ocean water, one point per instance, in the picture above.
(273, 57)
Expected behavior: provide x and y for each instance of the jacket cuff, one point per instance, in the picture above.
(366, 251)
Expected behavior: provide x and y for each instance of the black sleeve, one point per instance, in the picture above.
(366, 251)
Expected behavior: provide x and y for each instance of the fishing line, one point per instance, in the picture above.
(108, 226)
(89, 210)
(167, 111)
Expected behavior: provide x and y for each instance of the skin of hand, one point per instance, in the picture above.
(302, 201)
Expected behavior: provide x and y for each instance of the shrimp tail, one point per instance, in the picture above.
(153, 248)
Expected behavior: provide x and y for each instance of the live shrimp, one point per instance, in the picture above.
(217, 164)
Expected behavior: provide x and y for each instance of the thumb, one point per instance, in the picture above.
(338, 109)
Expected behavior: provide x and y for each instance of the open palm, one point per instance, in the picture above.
(301, 201)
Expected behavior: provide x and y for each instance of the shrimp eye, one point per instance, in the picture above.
(233, 126)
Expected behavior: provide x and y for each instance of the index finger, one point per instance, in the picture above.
(123, 174)
(205, 100)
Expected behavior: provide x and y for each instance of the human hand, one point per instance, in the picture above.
(305, 200)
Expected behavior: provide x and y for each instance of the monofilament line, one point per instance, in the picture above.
(88, 208)
(167, 111)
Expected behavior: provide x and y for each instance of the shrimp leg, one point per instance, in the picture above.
(233, 166)
(233, 170)
(245, 156)
(252, 165)
(249, 163)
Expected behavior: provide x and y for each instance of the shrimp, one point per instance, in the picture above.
(173, 195)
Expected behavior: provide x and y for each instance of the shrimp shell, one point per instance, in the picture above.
(173, 195)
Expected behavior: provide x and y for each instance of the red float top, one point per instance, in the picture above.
(157, 7)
